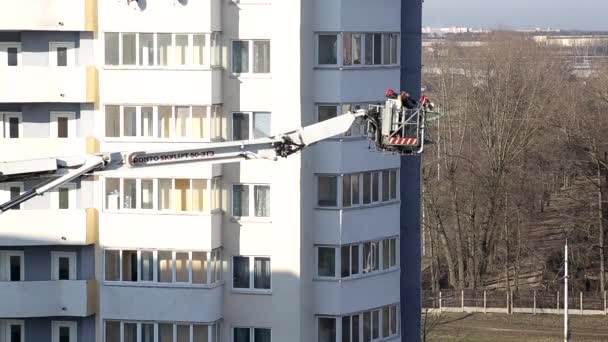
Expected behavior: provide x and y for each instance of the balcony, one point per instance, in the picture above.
(193, 86)
(335, 226)
(49, 227)
(350, 85)
(32, 148)
(188, 304)
(156, 229)
(48, 15)
(344, 155)
(358, 294)
(72, 298)
(34, 84)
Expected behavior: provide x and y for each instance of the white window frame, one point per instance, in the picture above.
(251, 332)
(71, 196)
(55, 264)
(251, 287)
(251, 115)
(7, 332)
(5, 126)
(251, 215)
(73, 326)
(4, 46)
(54, 123)
(250, 63)
(338, 48)
(5, 264)
(337, 262)
(213, 329)
(70, 53)
(5, 191)
(340, 52)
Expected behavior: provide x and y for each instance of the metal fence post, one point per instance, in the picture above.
(534, 308)
(484, 302)
(462, 300)
(440, 302)
(581, 295)
(605, 303)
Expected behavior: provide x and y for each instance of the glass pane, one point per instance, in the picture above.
(328, 49)
(367, 187)
(112, 121)
(64, 268)
(240, 126)
(183, 333)
(64, 198)
(327, 329)
(165, 332)
(164, 267)
(181, 195)
(242, 335)
(394, 47)
(354, 263)
(240, 56)
(240, 200)
(385, 254)
(393, 186)
(62, 127)
(165, 116)
(394, 328)
(367, 257)
(182, 115)
(328, 191)
(355, 186)
(163, 48)
(15, 268)
(216, 122)
(130, 332)
(261, 56)
(385, 185)
(346, 329)
(147, 266)
(356, 48)
(200, 195)
(347, 48)
(112, 193)
(375, 185)
(261, 125)
(355, 331)
(327, 261)
(377, 48)
(64, 334)
(111, 48)
(261, 279)
(375, 323)
(369, 49)
(12, 56)
(129, 266)
(200, 332)
(327, 112)
(346, 194)
(147, 332)
(393, 252)
(13, 127)
(385, 321)
(198, 52)
(345, 261)
(62, 56)
(112, 262)
(164, 194)
(129, 121)
(181, 49)
(147, 118)
(199, 122)
(262, 200)
(261, 335)
(386, 48)
(240, 272)
(146, 49)
(181, 267)
(367, 326)
(216, 199)
(128, 49)
(199, 267)
(130, 193)
(217, 265)
(376, 255)
(147, 193)
(216, 49)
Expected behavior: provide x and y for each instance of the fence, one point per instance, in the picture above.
(533, 302)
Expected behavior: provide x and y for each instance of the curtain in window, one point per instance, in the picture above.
(240, 56)
(240, 200)
(261, 56)
(199, 267)
(261, 278)
(164, 267)
(347, 48)
(262, 200)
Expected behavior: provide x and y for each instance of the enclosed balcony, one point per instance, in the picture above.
(49, 227)
(68, 298)
(48, 15)
(34, 84)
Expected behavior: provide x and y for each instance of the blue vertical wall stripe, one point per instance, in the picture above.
(411, 186)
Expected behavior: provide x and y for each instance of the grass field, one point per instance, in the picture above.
(478, 327)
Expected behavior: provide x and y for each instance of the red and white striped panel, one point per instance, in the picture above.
(403, 141)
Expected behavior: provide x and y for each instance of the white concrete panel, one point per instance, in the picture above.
(357, 15)
(345, 296)
(43, 84)
(335, 227)
(42, 15)
(74, 298)
(158, 86)
(160, 230)
(351, 155)
(34, 148)
(333, 85)
(169, 304)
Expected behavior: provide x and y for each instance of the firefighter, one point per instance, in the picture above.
(408, 101)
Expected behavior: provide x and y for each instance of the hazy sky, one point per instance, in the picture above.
(564, 14)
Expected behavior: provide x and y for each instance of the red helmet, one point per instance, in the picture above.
(390, 92)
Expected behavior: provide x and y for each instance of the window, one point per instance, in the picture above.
(111, 48)
(250, 125)
(129, 54)
(251, 56)
(251, 335)
(328, 49)
(12, 266)
(12, 331)
(133, 331)
(146, 49)
(62, 54)
(63, 124)
(327, 329)
(327, 111)
(243, 205)
(242, 278)
(64, 196)
(163, 266)
(371, 256)
(163, 49)
(326, 261)
(64, 331)
(11, 122)
(63, 266)
(10, 53)
(358, 189)
(328, 191)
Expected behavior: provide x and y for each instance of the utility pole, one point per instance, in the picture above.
(566, 334)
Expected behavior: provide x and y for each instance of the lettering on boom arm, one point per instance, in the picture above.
(141, 159)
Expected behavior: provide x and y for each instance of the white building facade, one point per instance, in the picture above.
(302, 249)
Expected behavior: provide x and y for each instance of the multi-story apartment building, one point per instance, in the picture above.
(302, 249)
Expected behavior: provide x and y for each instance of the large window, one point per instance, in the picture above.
(251, 56)
(12, 330)
(357, 189)
(11, 125)
(166, 194)
(327, 329)
(251, 334)
(357, 259)
(250, 125)
(251, 200)
(12, 266)
(120, 331)
(372, 325)
(162, 49)
(158, 266)
(356, 49)
(328, 111)
(188, 122)
(249, 272)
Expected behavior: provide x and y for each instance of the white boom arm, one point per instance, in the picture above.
(271, 148)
